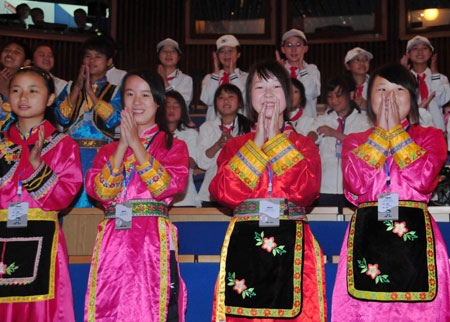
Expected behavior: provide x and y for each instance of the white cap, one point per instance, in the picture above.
(227, 40)
(170, 42)
(416, 40)
(355, 52)
(295, 33)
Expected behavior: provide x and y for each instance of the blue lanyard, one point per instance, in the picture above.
(388, 174)
(125, 181)
(270, 172)
(19, 187)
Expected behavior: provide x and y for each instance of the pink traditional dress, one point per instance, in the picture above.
(134, 273)
(269, 273)
(34, 274)
(392, 270)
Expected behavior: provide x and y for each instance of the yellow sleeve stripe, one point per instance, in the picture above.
(66, 108)
(103, 109)
(154, 175)
(403, 149)
(376, 149)
(109, 182)
(282, 154)
(248, 164)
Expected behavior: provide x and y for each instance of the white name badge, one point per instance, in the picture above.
(387, 206)
(269, 212)
(17, 215)
(87, 116)
(124, 215)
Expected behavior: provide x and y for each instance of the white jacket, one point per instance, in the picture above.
(310, 78)
(181, 83)
(189, 196)
(210, 84)
(210, 133)
(331, 165)
(436, 83)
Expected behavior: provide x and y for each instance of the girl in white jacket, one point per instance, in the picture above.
(329, 130)
(215, 133)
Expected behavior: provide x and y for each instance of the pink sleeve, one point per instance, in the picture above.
(357, 174)
(54, 184)
(101, 189)
(175, 163)
(422, 174)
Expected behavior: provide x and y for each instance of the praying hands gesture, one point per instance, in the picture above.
(267, 128)
(129, 138)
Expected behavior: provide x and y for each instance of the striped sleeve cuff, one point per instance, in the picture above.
(104, 110)
(109, 182)
(40, 182)
(65, 109)
(376, 149)
(403, 149)
(248, 164)
(154, 175)
(282, 153)
(6, 107)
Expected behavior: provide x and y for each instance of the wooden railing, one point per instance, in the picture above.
(80, 227)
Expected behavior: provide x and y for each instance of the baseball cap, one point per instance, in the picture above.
(416, 40)
(355, 52)
(227, 40)
(295, 33)
(170, 42)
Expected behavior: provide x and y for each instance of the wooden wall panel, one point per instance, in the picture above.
(141, 24)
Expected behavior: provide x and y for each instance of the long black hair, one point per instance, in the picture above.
(49, 113)
(265, 70)
(346, 85)
(400, 75)
(298, 85)
(185, 120)
(244, 124)
(156, 85)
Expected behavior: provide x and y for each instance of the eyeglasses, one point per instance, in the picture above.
(290, 44)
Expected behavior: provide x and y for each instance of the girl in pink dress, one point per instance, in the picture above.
(134, 272)
(393, 264)
(40, 174)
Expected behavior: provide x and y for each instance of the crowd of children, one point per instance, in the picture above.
(128, 138)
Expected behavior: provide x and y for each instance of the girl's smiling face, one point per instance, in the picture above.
(29, 96)
(138, 97)
(267, 93)
(382, 88)
(227, 103)
(339, 101)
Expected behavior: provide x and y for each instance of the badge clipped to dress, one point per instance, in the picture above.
(269, 208)
(124, 210)
(17, 212)
(124, 215)
(269, 212)
(388, 202)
